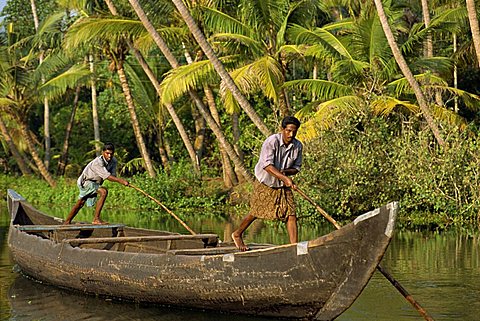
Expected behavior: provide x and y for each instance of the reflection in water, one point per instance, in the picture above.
(441, 271)
(31, 300)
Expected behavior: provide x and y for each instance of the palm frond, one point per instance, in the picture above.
(251, 43)
(223, 23)
(56, 86)
(303, 35)
(325, 115)
(402, 86)
(111, 30)
(322, 89)
(385, 105)
(180, 80)
(173, 36)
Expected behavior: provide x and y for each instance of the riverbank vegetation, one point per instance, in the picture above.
(383, 118)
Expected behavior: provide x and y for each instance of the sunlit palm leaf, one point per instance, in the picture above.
(182, 79)
(322, 89)
(91, 30)
(253, 44)
(302, 35)
(55, 87)
(325, 115)
(385, 105)
(224, 23)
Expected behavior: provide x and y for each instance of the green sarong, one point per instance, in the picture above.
(88, 192)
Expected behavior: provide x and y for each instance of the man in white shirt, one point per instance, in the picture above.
(89, 183)
(272, 197)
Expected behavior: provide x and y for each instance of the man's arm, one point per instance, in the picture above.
(272, 170)
(118, 180)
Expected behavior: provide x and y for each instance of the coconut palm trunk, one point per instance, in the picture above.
(198, 101)
(134, 119)
(207, 49)
(472, 18)
(217, 64)
(408, 73)
(171, 110)
(62, 163)
(93, 87)
(33, 151)
(13, 149)
(46, 105)
(229, 176)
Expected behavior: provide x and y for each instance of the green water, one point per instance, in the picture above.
(441, 271)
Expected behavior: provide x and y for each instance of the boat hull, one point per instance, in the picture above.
(318, 279)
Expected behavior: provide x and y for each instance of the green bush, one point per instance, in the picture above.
(368, 162)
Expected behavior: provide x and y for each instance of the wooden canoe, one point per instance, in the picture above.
(313, 280)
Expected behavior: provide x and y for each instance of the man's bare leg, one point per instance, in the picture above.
(292, 229)
(238, 233)
(74, 211)
(102, 194)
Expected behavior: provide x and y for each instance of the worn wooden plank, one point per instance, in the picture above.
(127, 239)
(215, 250)
(70, 227)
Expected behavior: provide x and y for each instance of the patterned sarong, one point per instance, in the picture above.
(271, 203)
(89, 192)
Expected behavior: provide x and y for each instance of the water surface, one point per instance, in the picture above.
(441, 271)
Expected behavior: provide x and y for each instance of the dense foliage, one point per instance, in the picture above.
(181, 133)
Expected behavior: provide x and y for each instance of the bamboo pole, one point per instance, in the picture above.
(387, 275)
(165, 208)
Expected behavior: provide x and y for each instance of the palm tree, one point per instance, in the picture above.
(407, 72)
(217, 64)
(13, 149)
(86, 30)
(46, 109)
(171, 110)
(198, 101)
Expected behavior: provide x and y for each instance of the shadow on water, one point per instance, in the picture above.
(440, 270)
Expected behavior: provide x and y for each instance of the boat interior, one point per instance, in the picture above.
(118, 237)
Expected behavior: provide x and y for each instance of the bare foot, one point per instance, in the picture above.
(99, 222)
(239, 243)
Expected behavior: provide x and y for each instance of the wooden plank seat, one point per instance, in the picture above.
(70, 227)
(215, 250)
(147, 238)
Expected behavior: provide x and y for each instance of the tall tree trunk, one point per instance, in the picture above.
(135, 124)
(46, 109)
(199, 122)
(33, 151)
(13, 149)
(217, 64)
(408, 73)
(455, 72)
(93, 86)
(198, 101)
(62, 163)
(171, 110)
(229, 176)
(472, 18)
(428, 46)
(426, 20)
(161, 147)
(236, 138)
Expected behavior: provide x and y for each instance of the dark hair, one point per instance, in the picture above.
(290, 120)
(109, 146)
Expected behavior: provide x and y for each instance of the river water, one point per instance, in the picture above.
(440, 270)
